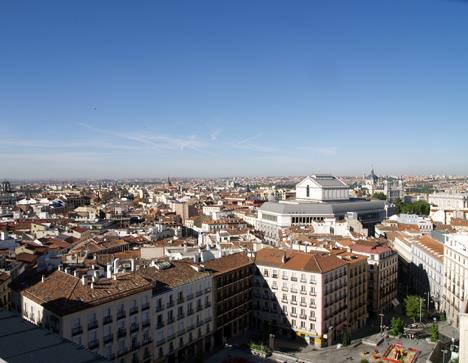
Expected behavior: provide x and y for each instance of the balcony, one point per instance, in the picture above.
(303, 304)
(122, 352)
(93, 344)
(170, 337)
(294, 291)
(284, 300)
(181, 332)
(133, 327)
(285, 277)
(145, 306)
(121, 315)
(304, 317)
(134, 310)
(122, 332)
(170, 320)
(170, 304)
(190, 312)
(180, 316)
(294, 302)
(160, 342)
(304, 281)
(93, 325)
(159, 308)
(294, 315)
(207, 290)
(199, 293)
(312, 293)
(208, 304)
(313, 306)
(189, 297)
(145, 323)
(312, 318)
(284, 289)
(180, 300)
(199, 308)
(294, 279)
(159, 325)
(108, 338)
(303, 292)
(77, 330)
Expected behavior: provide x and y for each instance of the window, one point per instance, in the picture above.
(308, 191)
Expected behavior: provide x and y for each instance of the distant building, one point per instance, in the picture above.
(391, 187)
(445, 206)
(317, 197)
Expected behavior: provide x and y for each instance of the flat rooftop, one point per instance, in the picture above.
(23, 342)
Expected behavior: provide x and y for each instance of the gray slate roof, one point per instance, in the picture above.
(323, 209)
(23, 342)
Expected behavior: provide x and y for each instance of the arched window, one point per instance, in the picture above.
(308, 191)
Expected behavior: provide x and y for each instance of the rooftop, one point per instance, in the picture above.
(299, 261)
(23, 342)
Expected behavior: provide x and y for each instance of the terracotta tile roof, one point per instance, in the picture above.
(299, 261)
(180, 273)
(64, 294)
(26, 258)
(228, 263)
(431, 246)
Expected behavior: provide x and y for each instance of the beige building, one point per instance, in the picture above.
(155, 314)
(455, 276)
(300, 293)
(383, 275)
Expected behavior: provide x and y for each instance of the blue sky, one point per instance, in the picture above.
(220, 88)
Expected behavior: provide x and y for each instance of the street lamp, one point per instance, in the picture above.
(381, 323)
(445, 351)
(420, 309)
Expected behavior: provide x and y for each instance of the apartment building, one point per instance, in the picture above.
(357, 289)
(455, 275)
(300, 293)
(232, 282)
(382, 264)
(156, 314)
(427, 268)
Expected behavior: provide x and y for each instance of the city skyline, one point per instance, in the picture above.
(211, 90)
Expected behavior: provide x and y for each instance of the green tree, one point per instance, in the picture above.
(413, 305)
(396, 326)
(434, 332)
(379, 195)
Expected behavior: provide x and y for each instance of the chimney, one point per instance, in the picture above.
(132, 264)
(109, 271)
(114, 277)
(60, 267)
(67, 270)
(84, 280)
(75, 273)
(92, 285)
(43, 278)
(283, 258)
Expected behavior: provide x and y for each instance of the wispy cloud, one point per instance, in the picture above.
(322, 150)
(153, 140)
(250, 143)
(215, 133)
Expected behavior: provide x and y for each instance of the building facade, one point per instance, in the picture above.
(427, 268)
(455, 276)
(232, 283)
(156, 314)
(317, 198)
(302, 294)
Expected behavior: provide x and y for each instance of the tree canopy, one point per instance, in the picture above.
(413, 305)
(419, 207)
(379, 195)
